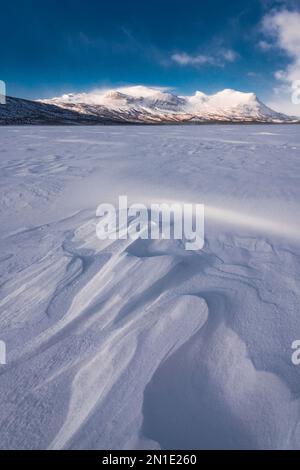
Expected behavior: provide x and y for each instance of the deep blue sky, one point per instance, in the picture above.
(50, 47)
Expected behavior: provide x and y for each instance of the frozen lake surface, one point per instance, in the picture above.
(141, 344)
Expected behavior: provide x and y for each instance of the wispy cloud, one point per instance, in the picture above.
(197, 60)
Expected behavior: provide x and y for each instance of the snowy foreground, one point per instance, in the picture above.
(142, 344)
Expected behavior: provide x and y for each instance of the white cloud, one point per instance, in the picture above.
(197, 60)
(283, 27)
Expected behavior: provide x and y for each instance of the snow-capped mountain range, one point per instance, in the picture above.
(140, 104)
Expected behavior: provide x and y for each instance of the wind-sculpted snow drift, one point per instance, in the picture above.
(140, 105)
(143, 344)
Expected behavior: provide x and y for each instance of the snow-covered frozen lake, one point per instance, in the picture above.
(142, 344)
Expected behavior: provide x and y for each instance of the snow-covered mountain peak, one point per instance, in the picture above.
(153, 104)
(157, 97)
